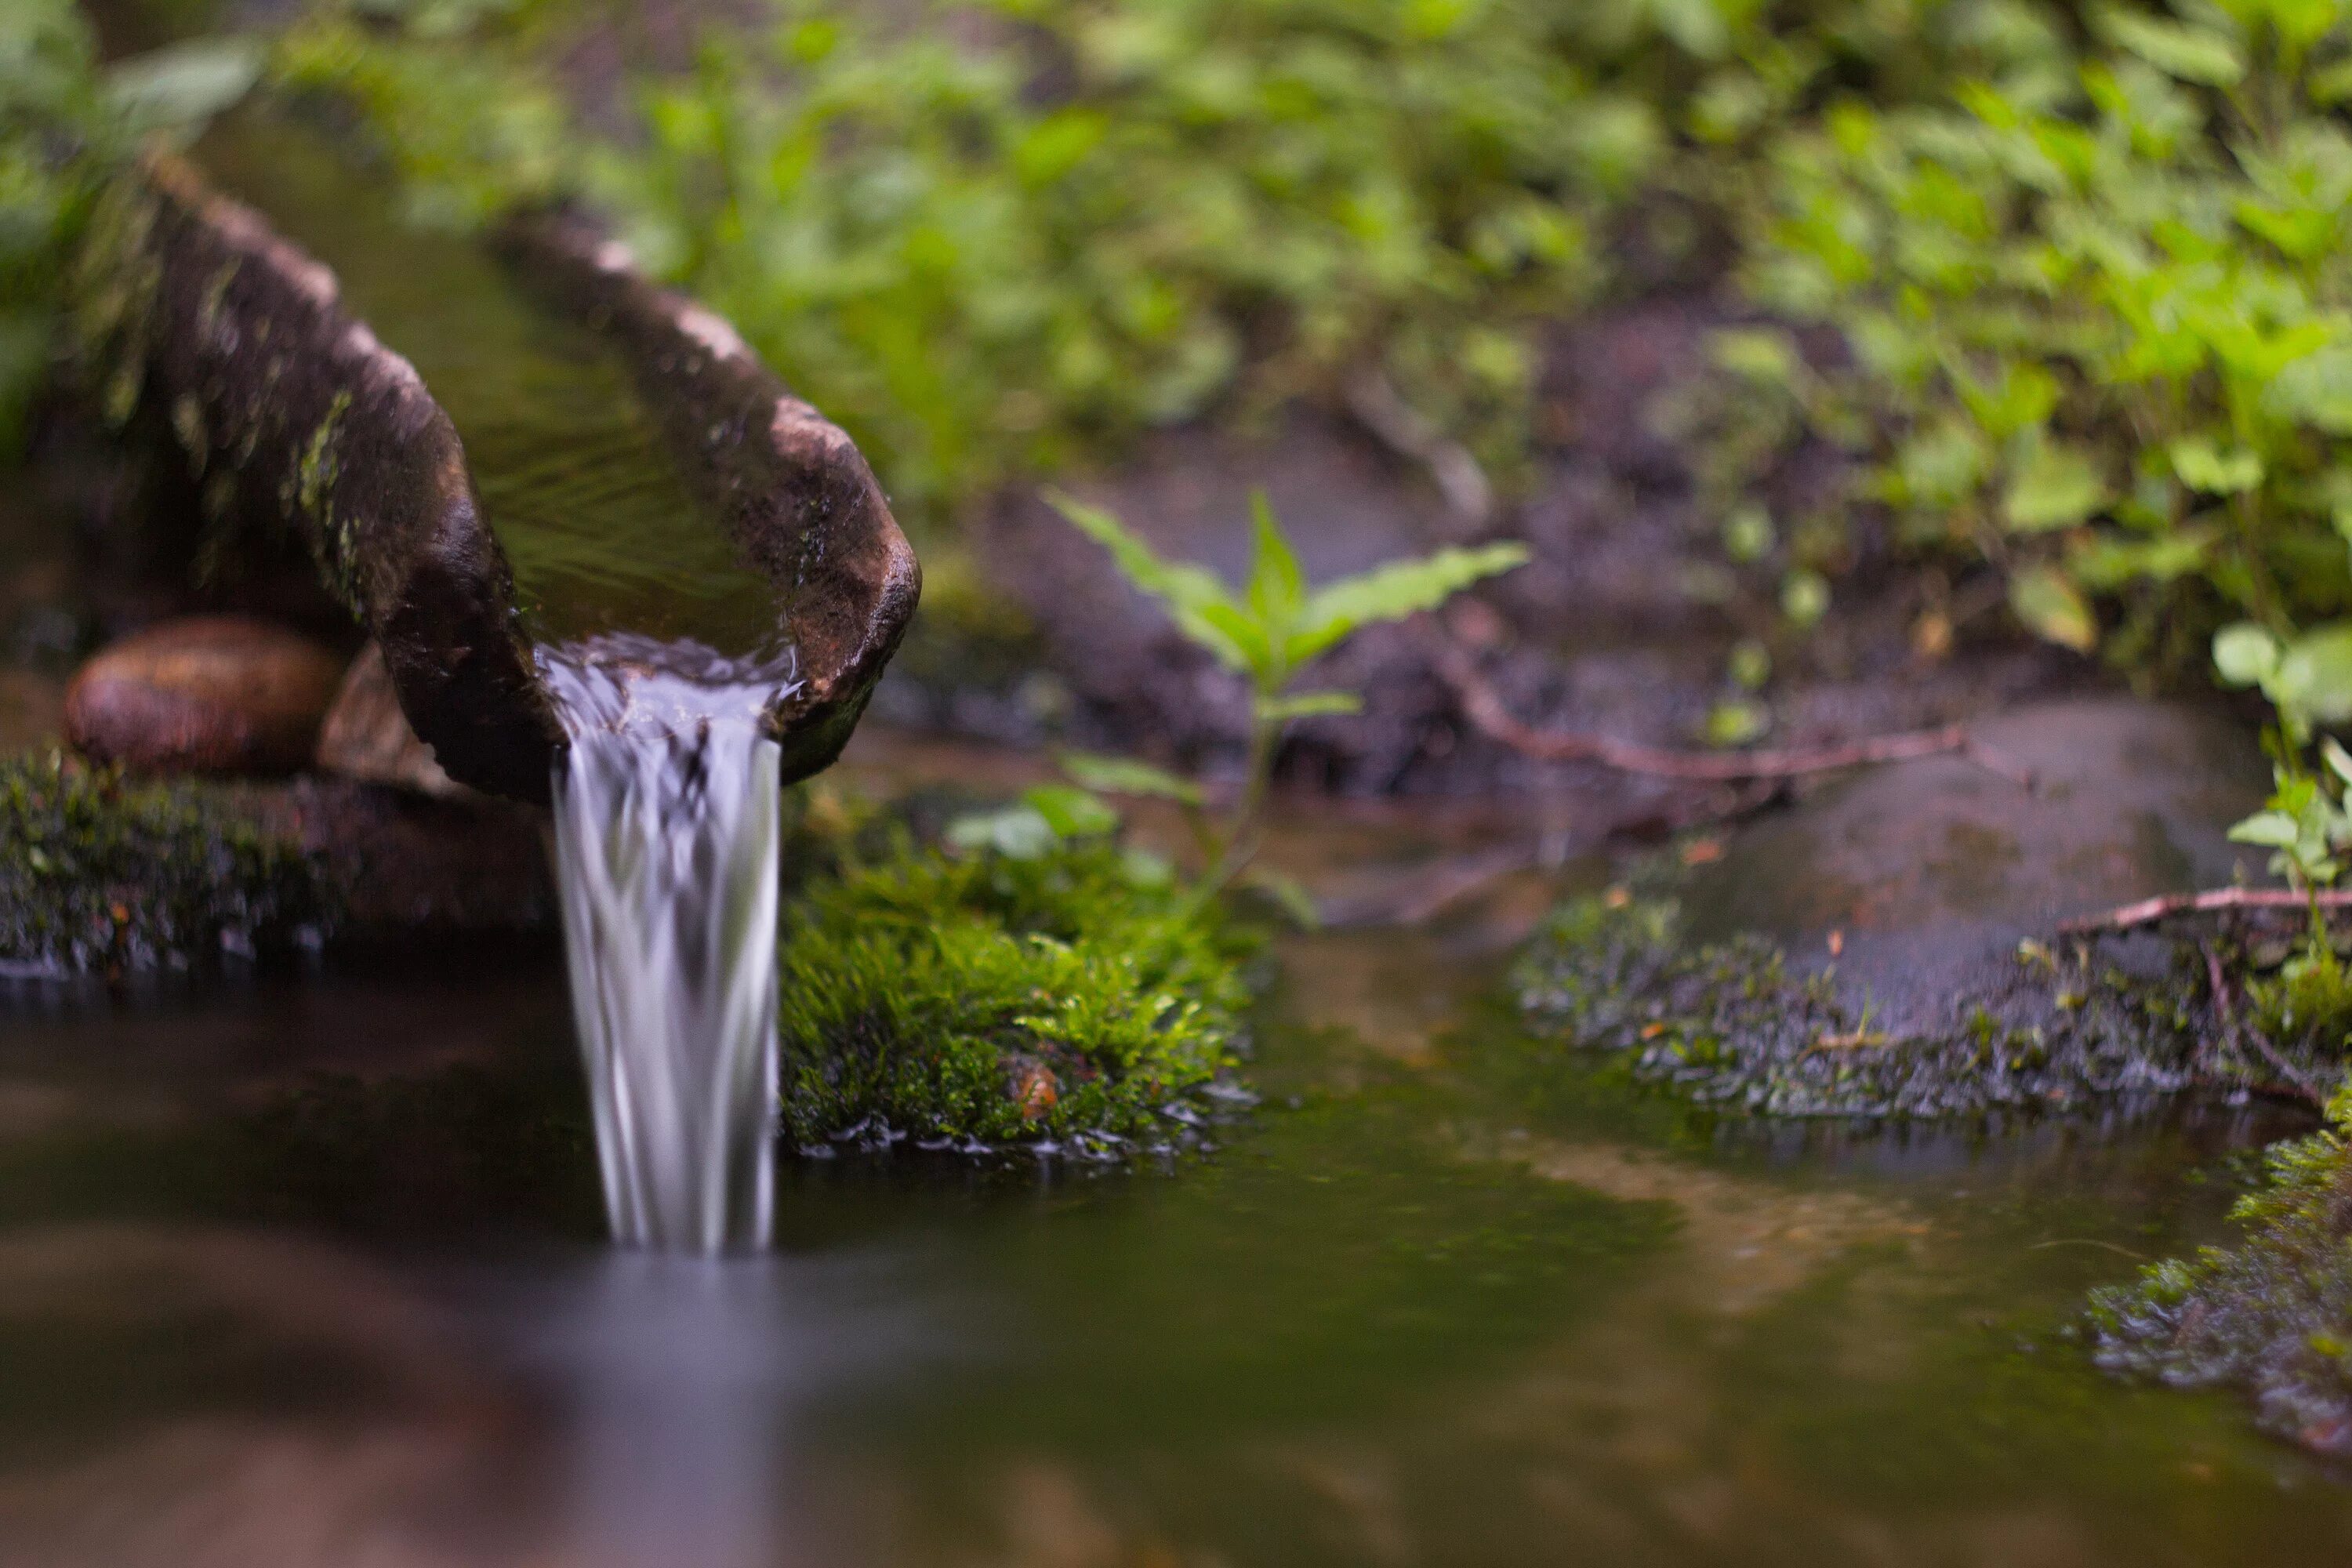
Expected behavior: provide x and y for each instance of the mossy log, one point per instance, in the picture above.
(194, 315)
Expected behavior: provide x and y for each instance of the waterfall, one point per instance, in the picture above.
(666, 806)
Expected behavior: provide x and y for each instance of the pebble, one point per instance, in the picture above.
(203, 694)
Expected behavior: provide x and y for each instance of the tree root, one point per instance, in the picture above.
(1487, 711)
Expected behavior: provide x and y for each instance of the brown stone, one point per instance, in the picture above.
(214, 694)
(367, 737)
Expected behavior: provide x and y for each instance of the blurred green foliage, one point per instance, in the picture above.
(2084, 260)
(65, 121)
(2098, 308)
(989, 236)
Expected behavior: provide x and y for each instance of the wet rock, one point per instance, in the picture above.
(1888, 947)
(105, 875)
(403, 866)
(366, 737)
(1930, 872)
(212, 694)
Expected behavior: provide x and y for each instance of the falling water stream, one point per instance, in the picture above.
(666, 824)
(660, 649)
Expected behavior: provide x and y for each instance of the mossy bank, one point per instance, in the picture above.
(1738, 1025)
(1077, 1001)
(2271, 1316)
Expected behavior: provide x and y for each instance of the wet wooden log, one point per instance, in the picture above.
(194, 315)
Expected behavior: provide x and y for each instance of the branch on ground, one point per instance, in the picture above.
(2149, 911)
(1489, 715)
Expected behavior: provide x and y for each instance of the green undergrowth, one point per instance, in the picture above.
(1077, 999)
(65, 124)
(103, 874)
(1736, 1024)
(2100, 317)
(991, 235)
(2271, 1316)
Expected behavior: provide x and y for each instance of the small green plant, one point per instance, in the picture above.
(988, 235)
(1270, 633)
(2306, 824)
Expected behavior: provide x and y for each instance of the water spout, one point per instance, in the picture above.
(666, 807)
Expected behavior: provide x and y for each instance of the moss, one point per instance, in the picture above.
(2271, 1316)
(1734, 1023)
(1072, 1001)
(100, 874)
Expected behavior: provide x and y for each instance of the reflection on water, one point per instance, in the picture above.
(1438, 1303)
(674, 1383)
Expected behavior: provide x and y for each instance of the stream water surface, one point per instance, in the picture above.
(314, 1274)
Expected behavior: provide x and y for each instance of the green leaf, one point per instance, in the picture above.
(2245, 654)
(2271, 829)
(1735, 723)
(2338, 760)
(182, 85)
(2201, 467)
(2051, 607)
(1277, 589)
(1233, 635)
(1017, 832)
(1306, 704)
(1287, 891)
(2187, 54)
(1200, 605)
(2315, 676)
(1804, 595)
(2316, 390)
(1125, 775)
(1071, 813)
(2057, 486)
(1392, 592)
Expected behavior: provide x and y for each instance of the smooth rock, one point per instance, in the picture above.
(216, 694)
(1918, 881)
(404, 867)
(367, 737)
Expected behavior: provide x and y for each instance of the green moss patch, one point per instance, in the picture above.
(2271, 1316)
(100, 874)
(1076, 1001)
(1735, 1024)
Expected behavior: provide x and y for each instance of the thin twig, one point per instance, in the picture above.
(2149, 911)
(1377, 405)
(1485, 709)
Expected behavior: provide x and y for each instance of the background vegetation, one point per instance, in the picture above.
(2084, 262)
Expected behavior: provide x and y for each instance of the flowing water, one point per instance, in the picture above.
(666, 839)
(1445, 1298)
(660, 650)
